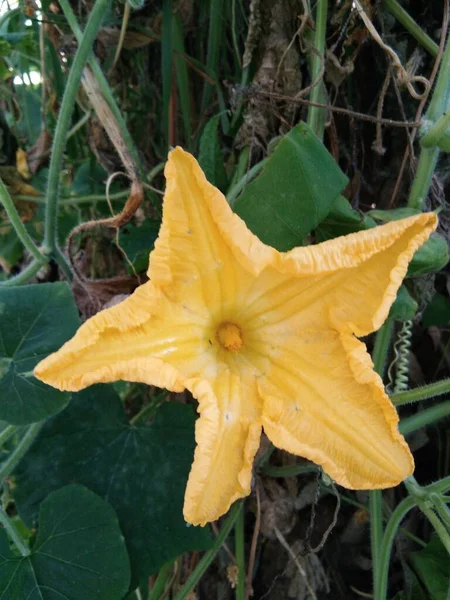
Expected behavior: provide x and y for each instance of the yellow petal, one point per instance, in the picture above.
(203, 250)
(358, 275)
(227, 435)
(322, 400)
(348, 283)
(144, 338)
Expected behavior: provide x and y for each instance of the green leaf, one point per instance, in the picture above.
(293, 193)
(35, 320)
(210, 156)
(395, 214)
(404, 307)
(342, 220)
(11, 249)
(137, 242)
(437, 312)
(79, 552)
(432, 565)
(429, 258)
(140, 470)
(89, 178)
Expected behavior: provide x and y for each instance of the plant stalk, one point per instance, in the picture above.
(410, 25)
(424, 418)
(209, 556)
(239, 541)
(20, 450)
(24, 276)
(421, 393)
(14, 534)
(429, 156)
(64, 118)
(19, 227)
(379, 356)
(380, 588)
(316, 115)
(161, 581)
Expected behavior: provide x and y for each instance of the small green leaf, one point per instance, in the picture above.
(141, 470)
(79, 552)
(210, 156)
(404, 307)
(395, 214)
(342, 220)
(437, 312)
(11, 250)
(137, 242)
(35, 320)
(293, 193)
(432, 565)
(429, 258)
(89, 178)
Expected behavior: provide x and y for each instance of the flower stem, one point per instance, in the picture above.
(158, 589)
(429, 156)
(19, 227)
(20, 450)
(424, 500)
(316, 115)
(439, 487)
(24, 276)
(376, 533)
(21, 545)
(239, 540)
(381, 346)
(410, 25)
(424, 418)
(209, 556)
(380, 587)
(421, 393)
(64, 117)
(441, 508)
(434, 135)
(6, 433)
(379, 356)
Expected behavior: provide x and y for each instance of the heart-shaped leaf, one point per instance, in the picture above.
(294, 191)
(79, 552)
(35, 320)
(140, 470)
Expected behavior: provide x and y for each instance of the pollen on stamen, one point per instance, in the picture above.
(229, 336)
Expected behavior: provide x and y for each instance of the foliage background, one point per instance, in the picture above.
(226, 80)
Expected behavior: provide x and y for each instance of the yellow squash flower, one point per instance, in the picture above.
(262, 339)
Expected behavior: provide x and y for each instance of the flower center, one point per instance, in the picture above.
(229, 336)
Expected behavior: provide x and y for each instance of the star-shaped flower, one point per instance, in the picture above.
(262, 339)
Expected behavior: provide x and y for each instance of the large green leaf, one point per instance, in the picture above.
(210, 156)
(79, 552)
(294, 191)
(430, 257)
(140, 470)
(432, 565)
(437, 312)
(342, 220)
(35, 320)
(404, 307)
